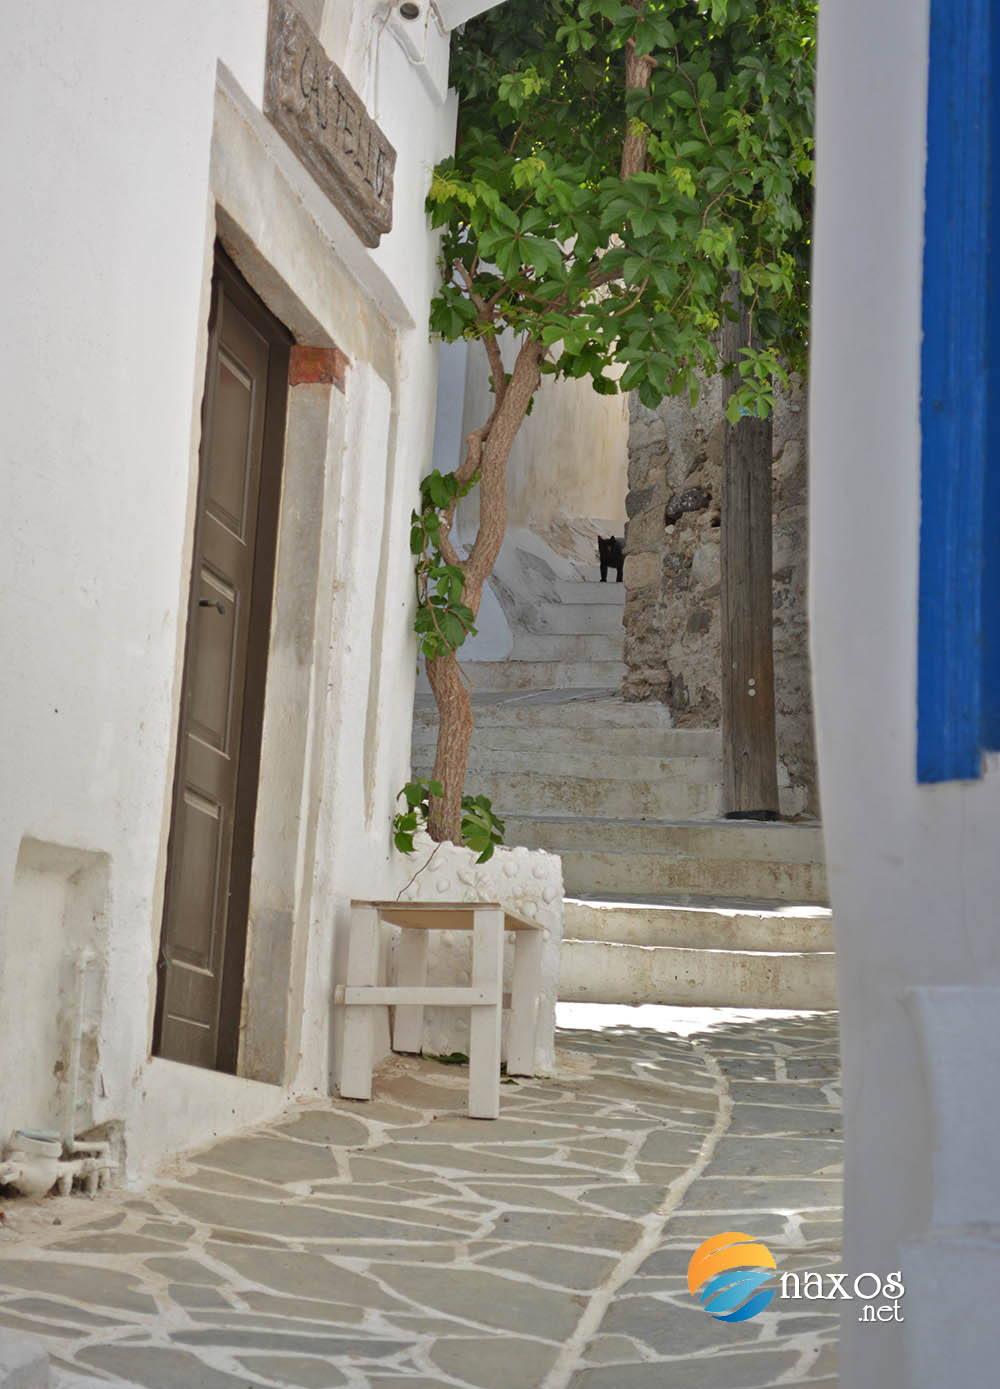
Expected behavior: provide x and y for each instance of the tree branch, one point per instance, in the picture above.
(509, 414)
(476, 299)
(638, 72)
(697, 100)
(464, 473)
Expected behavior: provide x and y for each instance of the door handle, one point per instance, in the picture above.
(212, 603)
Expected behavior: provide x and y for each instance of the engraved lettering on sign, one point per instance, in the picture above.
(317, 111)
(347, 128)
(309, 82)
(379, 173)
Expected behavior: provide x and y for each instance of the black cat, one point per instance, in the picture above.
(611, 553)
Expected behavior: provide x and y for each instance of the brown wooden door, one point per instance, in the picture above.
(203, 942)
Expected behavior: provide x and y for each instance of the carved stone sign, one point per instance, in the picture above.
(310, 101)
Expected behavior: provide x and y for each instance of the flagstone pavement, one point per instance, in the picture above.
(399, 1243)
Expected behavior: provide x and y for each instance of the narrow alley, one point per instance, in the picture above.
(399, 1243)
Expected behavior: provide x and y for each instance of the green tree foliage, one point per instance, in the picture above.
(482, 828)
(546, 236)
(623, 167)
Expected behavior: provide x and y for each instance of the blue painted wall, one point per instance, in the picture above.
(958, 699)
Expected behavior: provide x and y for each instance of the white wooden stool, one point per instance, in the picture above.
(360, 994)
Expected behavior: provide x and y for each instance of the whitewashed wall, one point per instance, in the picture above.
(134, 125)
(914, 870)
(569, 457)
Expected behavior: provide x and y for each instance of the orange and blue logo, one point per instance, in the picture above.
(725, 1274)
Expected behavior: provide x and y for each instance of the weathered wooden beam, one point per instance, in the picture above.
(749, 745)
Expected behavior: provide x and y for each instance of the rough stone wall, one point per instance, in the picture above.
(672, 636)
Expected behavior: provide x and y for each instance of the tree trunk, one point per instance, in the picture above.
(452, 754)
(638, 71)
(447, 684)
(749, 745)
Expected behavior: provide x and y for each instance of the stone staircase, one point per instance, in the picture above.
(667, 902)
(572, 639)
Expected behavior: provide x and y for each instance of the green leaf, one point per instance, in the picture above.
(544, 256)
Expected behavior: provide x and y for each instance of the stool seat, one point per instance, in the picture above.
(360, 994)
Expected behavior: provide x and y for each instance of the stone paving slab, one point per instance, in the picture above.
(400, 1243)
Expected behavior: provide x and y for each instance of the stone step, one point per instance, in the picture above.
(604, 972)
(661, 874)
(513, 792)
(619, 751)
(710, 859)
(690, 924)
(543, 675)
(767, 841)
(583, 758)
(586, 707)
(589, 647)
(575, 619)
(611, 593)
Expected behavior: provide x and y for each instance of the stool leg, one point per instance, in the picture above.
(484, 1026)
(524, 1003)
(411, 968)
(362, 968)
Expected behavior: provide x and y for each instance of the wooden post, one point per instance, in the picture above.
(749, 746)
(484, 1024)
(524, 1002)
(411, 969)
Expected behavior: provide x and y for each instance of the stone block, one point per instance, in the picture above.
(641, 569)
(645, 530)
(706, 563)
(24, 1363)
(317, 111)
(691, 499)
(638, 501)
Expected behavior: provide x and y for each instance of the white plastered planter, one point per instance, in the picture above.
(527, 882)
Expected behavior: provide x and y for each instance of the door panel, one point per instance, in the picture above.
(215, 667)
(234, 417)
(229, 614)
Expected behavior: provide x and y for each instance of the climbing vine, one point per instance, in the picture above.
(442, 620)
(442, 623)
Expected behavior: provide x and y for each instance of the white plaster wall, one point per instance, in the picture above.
(570, 456)
(151, 117)
(914, 871)
(103, 276)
